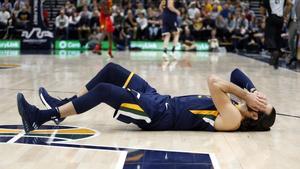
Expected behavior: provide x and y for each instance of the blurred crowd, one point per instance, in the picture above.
(14, 14)
(226, 22)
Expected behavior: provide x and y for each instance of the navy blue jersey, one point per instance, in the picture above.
(194, 112)
(152, 111)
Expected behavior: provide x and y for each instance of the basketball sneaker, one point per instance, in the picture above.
(28, 114)
(51, 102)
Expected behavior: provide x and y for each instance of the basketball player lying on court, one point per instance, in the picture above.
(135, 101)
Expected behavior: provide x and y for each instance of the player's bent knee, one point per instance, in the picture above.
(236, 70)
(109, 65)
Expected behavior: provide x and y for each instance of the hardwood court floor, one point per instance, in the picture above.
(64, 75)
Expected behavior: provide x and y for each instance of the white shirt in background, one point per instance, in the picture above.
(61, 22)
(4, 17)
(192, 12)
(143, 22)
(277, 7)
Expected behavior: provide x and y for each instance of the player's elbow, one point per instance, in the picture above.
(212, 80)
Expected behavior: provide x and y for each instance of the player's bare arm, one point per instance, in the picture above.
(161, 6)
(230, 116)
(172, 8)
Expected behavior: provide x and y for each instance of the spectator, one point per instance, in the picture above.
(221, 26)
(14, 15)
(214, 13)
(28, 6)
(188, 40)
(122, 39)
(69, 8)
(118, 20)
(7, 5)
(142, 26)
(154, 24)
(197, 25)
(231, 24)
(93, 5)
(129, 8)
(131, 24)
(4, 18)
(141, 9)
(241, 32)
(19, 4)
(185, 21)
(84, 24)
(61, 26)
(193, 10)
(259, 33)
(249, 14)
(73, 25)
(23, 18)
(81, 4)
(208, 7)
(225, 11)
(213, 42)
(253, 42)
(216, 4)
(94, 40)
(94, 22)
(242, 23)
(85, 16)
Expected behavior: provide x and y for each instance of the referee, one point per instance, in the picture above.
(277, 12)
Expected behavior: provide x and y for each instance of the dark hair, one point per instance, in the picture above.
(263, 123)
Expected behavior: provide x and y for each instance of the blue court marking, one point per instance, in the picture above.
(142, 158)
(136, 158)
(4, 139)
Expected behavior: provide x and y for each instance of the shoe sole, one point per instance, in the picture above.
(20, 99)
(41, 90)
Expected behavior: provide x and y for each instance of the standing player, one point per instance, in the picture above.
(170, 25)
(135, 101)
(277, 16)
(106, 26)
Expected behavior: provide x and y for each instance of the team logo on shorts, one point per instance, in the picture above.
(46, 134)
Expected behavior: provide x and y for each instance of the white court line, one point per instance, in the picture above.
(121, 160)
(214, 161)
(14, 139)
(52, 137)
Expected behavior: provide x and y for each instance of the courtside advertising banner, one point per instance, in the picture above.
(9, 44)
